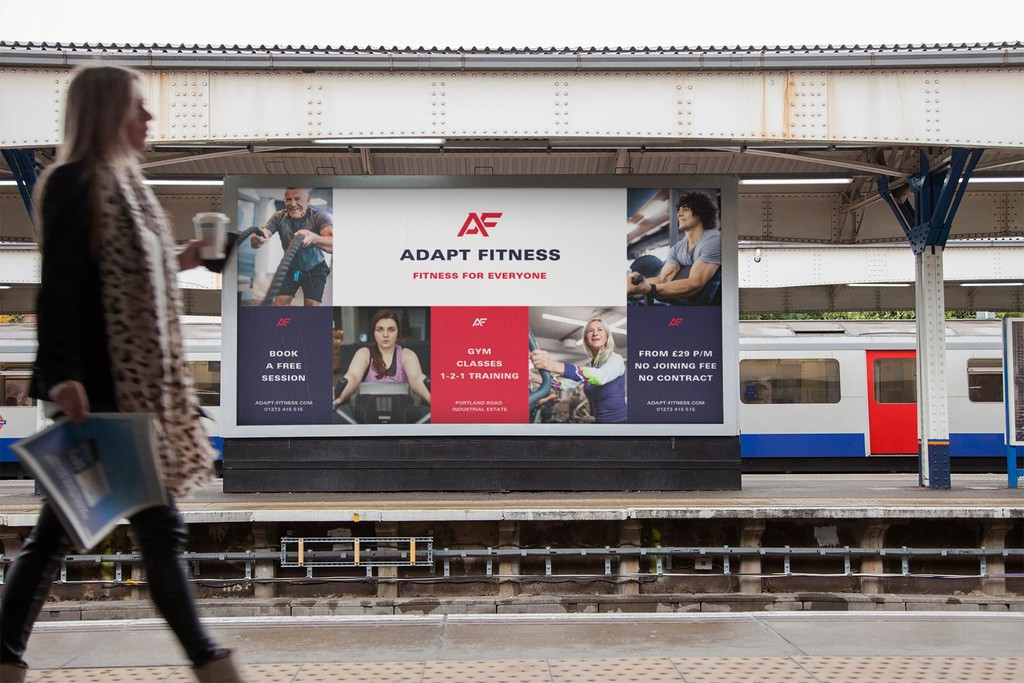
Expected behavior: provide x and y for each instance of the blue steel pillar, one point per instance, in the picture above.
(23, 165)
(927, 223)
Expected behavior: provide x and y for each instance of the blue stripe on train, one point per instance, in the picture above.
(977, 445)
(802, 445)
(852, 445)
(767, 446)
(7, 454)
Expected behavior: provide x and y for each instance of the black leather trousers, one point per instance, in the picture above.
(160, 533)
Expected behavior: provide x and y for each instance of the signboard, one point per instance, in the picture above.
(480, 306)
(1013, 372)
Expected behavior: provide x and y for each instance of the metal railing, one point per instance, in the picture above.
(418, 552)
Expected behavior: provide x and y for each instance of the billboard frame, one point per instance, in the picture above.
(460, 457)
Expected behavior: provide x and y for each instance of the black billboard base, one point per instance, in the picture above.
(691, 463)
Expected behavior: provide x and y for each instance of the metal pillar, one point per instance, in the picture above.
(873, 536)
(508, 565)
(927, 223)
(932, 403)
(23, 165)
(387, 584)
(629, 565)
(263, 537)
(993, 580)
(750, 565)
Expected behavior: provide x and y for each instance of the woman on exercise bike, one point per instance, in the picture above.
(385, 360)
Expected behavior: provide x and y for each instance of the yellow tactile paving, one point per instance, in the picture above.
(742, 670)
(797, 669)
(356, 672)
(632, 670)
(913, 669)
(492, 671)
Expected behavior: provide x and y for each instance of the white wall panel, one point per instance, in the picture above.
(20, 266)
(500, 104)
(993, 214)
(790, 217)
(15, 224)
(31, 101)
(880, 224)
(180, 104)
(970, 111)
(358, 104)
(259, 105)
(807, 104)
(620, 104)
(921, 106)
(812, 266)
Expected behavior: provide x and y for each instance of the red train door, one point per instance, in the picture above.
(892, 402)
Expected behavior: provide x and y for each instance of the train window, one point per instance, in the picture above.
(206, 377)
(895, 380)
(789, 380)
(985, 380)
(14, 381)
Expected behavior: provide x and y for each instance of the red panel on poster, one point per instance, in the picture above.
(480, 360)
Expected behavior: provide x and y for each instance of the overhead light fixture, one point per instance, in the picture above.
(8, 183)
(979, 180)
(184, 183)
(795, 181)
(992, 284)
(380, 142)
(878, 284)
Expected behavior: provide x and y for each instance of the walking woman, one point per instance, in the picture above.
(109, 340)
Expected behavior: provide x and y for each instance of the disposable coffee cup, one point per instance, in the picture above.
(212, 229)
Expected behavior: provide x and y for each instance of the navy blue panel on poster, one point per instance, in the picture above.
(675, 364)
(284, 365)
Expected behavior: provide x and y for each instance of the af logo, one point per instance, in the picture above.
(283, 322)
(675, 322)
(479, 322)
(477, 223)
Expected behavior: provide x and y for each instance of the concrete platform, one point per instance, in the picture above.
(595, 648)
(763, 496)
(767, 637)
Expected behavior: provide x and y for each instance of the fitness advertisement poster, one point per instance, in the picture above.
(1013, 374)
(377, 310)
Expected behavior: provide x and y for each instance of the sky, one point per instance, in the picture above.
(514, 23)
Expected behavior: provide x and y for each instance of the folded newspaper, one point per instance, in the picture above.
(97, 473)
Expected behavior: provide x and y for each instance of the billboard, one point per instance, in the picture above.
(1013, 374)
(480, 306)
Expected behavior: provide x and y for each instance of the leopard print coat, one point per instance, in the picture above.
(150, 373)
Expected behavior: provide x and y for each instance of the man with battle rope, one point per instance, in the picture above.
(309, 270)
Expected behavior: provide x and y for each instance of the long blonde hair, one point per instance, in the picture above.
(99, 100)
(609, 347)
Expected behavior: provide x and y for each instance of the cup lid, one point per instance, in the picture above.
(211, 216)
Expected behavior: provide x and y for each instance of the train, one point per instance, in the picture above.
(20, 415)
(846, 391)
(814, 395)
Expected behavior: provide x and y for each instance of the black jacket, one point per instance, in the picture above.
(71, 331)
